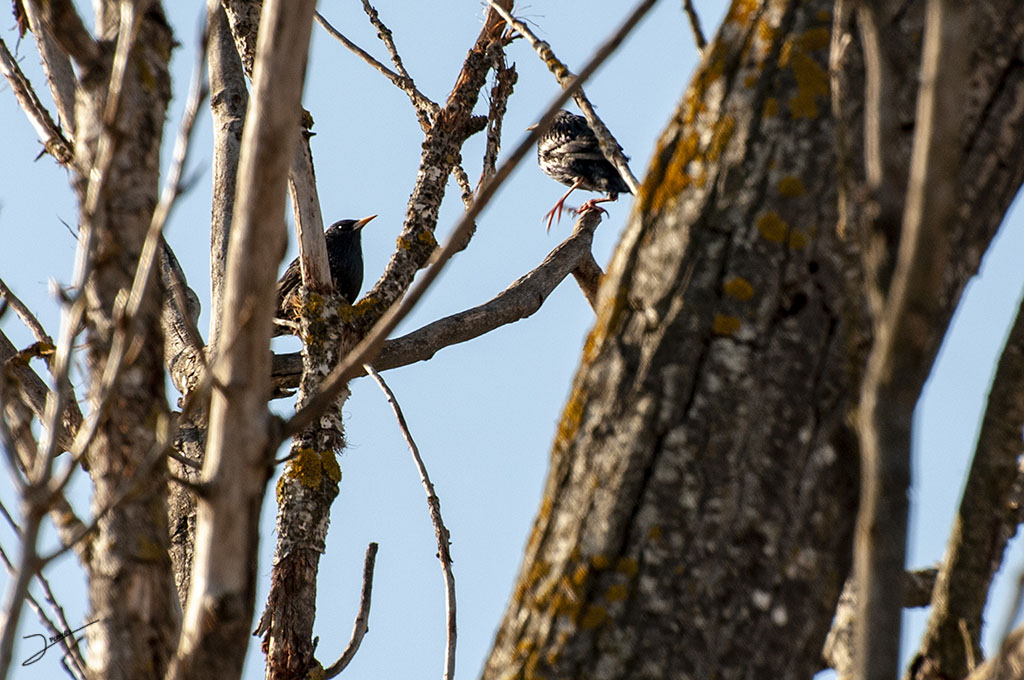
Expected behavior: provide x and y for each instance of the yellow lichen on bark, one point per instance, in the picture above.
(791, 186)
(772, 227)
(739, 288)
(724, 324)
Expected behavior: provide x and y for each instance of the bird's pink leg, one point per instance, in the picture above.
(561, 204)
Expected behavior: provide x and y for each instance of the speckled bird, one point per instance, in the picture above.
(570, 153)
(345, 258)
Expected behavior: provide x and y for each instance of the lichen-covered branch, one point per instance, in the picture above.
(520, 300)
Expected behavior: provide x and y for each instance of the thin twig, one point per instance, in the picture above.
(368, 348)
(426, 108)
(71, 650)
(440, 531)
(609, 146)
(419, 100)
(504, 80)
(25, 314)
(49, 133)
(362, 622)
(384, 34)
(159, 450)
(698, 34)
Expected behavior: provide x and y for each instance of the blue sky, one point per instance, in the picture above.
(483, 413)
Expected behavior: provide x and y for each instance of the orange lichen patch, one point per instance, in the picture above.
(426, 236)
(628, 566)
(725, 325)
(750, 80)
(306, 468)
(329, 461)
(797, 239)
(571, 418)
(771, 107)
(814, 39)
(666, 183)
(772, 227)
(739, 288)
(580, 575)
(616, 593)
(741, 11)
(765, 31)
(720, 136)
(811, 83)
(525, 646)
(655, 533)
(791, 186)
(594, 617)
(823, 16)
(600, 562)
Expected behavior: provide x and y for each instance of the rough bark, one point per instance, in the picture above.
(698, 513)
(137, 625)
(240, 447)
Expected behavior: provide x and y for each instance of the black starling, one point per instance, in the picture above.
(345, 258)
(569, 152)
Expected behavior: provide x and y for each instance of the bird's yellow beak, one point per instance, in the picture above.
(533, 127)
(362, 223)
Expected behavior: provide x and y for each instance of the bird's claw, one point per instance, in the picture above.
(592, 204)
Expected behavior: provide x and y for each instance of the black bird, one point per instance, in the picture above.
(570, 153)
(345, 258)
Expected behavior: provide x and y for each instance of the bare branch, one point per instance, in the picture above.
(901, 358)
(440, 531)
(384, 33)
(239, 450)
(34, 391)
(838, 652)
(504, 80)
(25, 314)
(70, 648)
(57, 67)
(698, 34)
(309, 221)
(362, 622)
(520, 300)
(370, 345)
(426, 108)
(987, 518)
(61, 21)
(588, 275)
(609, 146)
(229, 100)
(419, 100)
(49, 134)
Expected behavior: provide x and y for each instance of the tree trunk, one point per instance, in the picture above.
(697, 518)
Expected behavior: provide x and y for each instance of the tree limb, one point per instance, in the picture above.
(901, 357)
